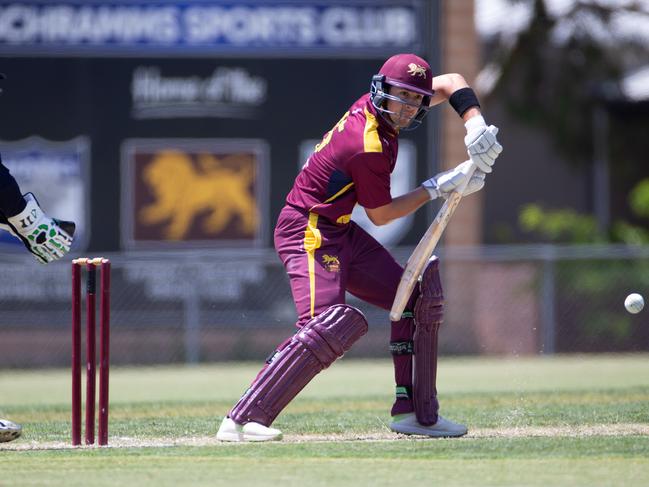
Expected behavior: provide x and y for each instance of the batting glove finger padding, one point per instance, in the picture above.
(485, 149)
(476, 183)
(444, 183)
(481, 143)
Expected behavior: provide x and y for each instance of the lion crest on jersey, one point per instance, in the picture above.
(331, 263)
(416, 70)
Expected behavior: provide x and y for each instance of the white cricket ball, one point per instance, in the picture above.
(634, 303)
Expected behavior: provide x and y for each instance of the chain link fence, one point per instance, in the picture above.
(202, 306)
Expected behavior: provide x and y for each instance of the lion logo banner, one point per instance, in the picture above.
(194, 195)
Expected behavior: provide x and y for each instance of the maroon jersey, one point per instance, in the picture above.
(352, 164)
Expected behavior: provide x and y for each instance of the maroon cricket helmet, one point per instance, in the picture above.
(406, 71)
(410, 72)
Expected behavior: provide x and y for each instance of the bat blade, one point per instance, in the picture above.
(421, 255)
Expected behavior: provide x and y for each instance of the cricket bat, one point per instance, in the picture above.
(424, 250)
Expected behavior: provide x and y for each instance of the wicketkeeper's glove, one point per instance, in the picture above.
(47, 238)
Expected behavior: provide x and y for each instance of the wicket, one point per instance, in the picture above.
(104, 349)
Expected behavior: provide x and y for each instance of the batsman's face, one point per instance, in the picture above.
(402, 112)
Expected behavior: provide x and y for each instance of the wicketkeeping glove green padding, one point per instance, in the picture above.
(47, 238)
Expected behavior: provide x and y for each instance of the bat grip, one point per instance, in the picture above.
(460, 189)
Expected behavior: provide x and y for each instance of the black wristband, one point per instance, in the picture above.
(463, 99)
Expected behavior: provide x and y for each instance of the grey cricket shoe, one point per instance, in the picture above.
(9, 430)
(407, 424)
(231, 431)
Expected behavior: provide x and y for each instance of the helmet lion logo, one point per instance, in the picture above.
(416, 70)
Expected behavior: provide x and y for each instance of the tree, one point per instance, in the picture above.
(562, 67)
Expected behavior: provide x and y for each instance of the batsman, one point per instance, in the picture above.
(325, 253)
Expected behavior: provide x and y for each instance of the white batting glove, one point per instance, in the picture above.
(47, 238)
(444, 183)
(481, 143)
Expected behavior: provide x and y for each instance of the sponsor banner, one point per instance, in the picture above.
(113, 100)
(228, 92)
(57, 173)
(402, 181)
(212, 28)
(194, 192)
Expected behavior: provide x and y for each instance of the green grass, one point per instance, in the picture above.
(578, 420)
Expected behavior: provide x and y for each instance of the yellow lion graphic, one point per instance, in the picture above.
(331, 263)
(330, 259)
(182, 192)
(416, 70)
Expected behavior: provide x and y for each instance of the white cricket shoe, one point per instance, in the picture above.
(231, 431)
(9, 430)
(407, 424)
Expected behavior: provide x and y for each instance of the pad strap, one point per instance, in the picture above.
(401, 348)
(404, 392)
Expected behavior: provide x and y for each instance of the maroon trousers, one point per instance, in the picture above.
(323, 260)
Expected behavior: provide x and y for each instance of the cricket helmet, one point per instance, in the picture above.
(407, 71)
